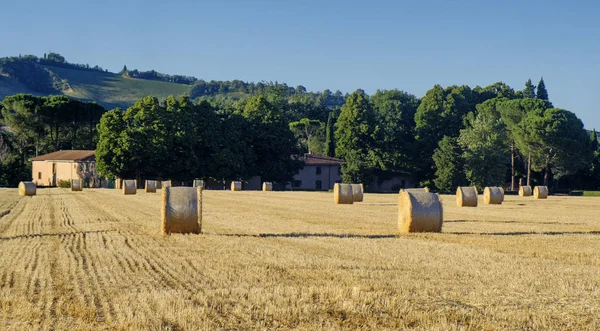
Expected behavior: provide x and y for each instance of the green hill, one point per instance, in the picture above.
(112, 90)
(10, 86)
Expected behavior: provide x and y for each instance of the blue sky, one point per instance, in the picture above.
(345, 45)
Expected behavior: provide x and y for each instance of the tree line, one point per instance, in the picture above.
(452, 136)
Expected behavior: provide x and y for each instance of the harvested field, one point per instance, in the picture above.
(96, 260)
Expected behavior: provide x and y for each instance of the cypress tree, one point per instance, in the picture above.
(529, 91)
(329, 141)
(542, 93)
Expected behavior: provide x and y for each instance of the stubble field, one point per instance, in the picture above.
(280, 260)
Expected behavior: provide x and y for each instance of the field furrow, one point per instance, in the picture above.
(96, 260)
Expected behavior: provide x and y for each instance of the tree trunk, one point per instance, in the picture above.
(547, 171)
(528, 169)
(512, 164)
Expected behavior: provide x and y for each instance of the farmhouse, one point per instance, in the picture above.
(320, 172)
(51, 169)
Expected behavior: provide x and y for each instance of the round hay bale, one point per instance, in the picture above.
(415, 189)
(76, 185)
(236, 185)
(357, 192)
(27, 188)
(540, 192)
(342, 194)
(198, 183)
(165, 183)
(129, 186)
(493, 195)
(525, 191)
(150, 186)
(267, 186)
(466, 196)
(181, 210)
(419, 212)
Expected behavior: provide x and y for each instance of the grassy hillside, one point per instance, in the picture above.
(112, 90)
(9, 86)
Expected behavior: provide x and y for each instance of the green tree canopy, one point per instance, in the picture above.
(355, 138)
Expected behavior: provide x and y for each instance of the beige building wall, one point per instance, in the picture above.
(43, 172)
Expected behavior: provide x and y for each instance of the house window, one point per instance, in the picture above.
(297, 183)
(39, 175)
(318, 170)
(318, 185)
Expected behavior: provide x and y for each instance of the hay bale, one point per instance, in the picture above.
(493, 195)
(165, 183)
(357, 192)
(27, 188)
(198, 183)
(181, 210)
(540, 192)
(419, 212)
(267, 186)
(236, 185)
(415, 189)
(150, 186)
(342, 194)
(525, 191)
(76, 185)
(129, 186)
(466, 196)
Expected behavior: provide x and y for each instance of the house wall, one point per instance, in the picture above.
(308, 177)
(42, 171)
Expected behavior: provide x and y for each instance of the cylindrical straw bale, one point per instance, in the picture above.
(493, 195)
(525, 191)
(419, 212)
(267, 186)
(415, 189)
(198, 183)
(357, 192)
(466, 196)
(342, 194)
(540, 192)
(129, 186)
(165, 183)
(181, 210)
(150, 186)
(76, 185)
(236, 185)
(27, 188)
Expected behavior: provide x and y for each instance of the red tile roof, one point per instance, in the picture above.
(70, 155)
(316, 159)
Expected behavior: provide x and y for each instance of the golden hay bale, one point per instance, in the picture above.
(267, 186)
(181, 210)
(76, 185)
(198, 183)
(466, 196)
(415, 189)
(236, 185)
(525, 191)
(419, 212)
(165, 183)
(493, 195)
(342, 194)
(540, 192)
(27, 188)
(129, 186)
(150, 186)
(357, 192)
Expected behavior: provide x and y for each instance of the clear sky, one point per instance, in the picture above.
(345, 45)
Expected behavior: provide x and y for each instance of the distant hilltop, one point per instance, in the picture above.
(52, 74)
